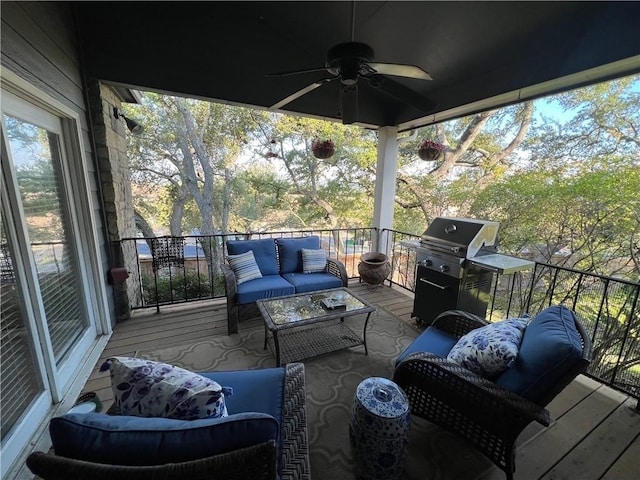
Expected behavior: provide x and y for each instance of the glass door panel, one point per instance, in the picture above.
(20, 381)
(35, 153)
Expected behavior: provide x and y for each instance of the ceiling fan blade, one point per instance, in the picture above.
(349, 103)
(402, 93)
(299, 93)
(409, 71)
(296, 72)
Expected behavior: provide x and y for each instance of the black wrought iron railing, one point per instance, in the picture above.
(171, 270)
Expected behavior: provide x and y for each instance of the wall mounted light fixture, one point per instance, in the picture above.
(133, 126)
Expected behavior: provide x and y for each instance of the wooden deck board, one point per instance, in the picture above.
(579, 463)
(628, 464)
(537, 457)
(595, 433)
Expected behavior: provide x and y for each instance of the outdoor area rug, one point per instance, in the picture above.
(331, 382)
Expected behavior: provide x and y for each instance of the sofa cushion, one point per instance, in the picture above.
(145, 388)
(290, 251)
(489, 350)
(310, 282)
(125, 440)
(244, 267)
(313, 261)
(550, 348)
(264, 251)
(432, 341)
(266, 287)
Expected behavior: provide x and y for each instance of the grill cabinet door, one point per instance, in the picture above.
(435, 293)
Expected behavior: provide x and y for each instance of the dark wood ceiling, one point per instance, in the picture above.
(473, 50)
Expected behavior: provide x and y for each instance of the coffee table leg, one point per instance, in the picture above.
(364, 334)
(277, 347)
(266, 335)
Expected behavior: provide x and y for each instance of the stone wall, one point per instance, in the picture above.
(110, 135)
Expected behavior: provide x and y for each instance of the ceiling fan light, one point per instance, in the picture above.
(349, 73)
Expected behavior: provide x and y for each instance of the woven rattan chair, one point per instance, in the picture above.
(477, 409)
(257, 462)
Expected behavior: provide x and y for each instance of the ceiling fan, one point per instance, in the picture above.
(351, 61)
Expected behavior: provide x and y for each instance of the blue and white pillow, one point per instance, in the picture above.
(143, 388)
(489, 350)
(313, 261)
(244, 266)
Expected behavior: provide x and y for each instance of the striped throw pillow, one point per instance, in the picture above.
(313, 261)
(244, 266)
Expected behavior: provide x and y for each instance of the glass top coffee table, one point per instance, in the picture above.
(309, 324)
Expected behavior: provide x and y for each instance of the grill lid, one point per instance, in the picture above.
(461, 236)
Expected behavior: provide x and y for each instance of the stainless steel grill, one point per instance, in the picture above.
(456, 260)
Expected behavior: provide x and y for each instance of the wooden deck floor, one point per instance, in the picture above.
(595, 433)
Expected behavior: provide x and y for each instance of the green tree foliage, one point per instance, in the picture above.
(329, 193)
(480, 149)
(191, 148)
(585, 221)
(576, 202)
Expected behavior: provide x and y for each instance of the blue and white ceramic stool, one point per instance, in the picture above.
(379, 429)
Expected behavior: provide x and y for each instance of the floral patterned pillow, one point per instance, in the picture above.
(489, 350)
(144, 388)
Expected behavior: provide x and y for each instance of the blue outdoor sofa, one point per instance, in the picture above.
(281, 272)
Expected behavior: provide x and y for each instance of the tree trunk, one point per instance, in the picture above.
(177, 212)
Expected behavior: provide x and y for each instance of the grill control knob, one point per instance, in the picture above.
(427, 263)
(444, 268)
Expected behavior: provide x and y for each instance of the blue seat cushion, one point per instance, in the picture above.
(309, 282)
(266, 287)
(550, 348)
(432, 341)
(124, 440)
(264, 251)
(260, 390)
(290, 251)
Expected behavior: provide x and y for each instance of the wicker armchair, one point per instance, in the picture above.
(477, 409)
(258, 461)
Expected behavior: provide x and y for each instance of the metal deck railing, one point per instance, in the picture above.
(171, 270)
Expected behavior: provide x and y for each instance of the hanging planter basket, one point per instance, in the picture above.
(429, 153)
(430, 150)
(323, 149)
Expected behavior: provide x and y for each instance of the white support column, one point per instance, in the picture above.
(385, 192)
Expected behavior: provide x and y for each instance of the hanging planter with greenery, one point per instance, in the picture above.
(430, 150)
(323, 149)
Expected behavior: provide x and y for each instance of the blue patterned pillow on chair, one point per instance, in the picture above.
(244, 266)
(144, 388)
(313, 261)
(489, 350)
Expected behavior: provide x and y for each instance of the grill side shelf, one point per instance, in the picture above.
(501, 264)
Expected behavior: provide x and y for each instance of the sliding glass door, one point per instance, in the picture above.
(48, 317)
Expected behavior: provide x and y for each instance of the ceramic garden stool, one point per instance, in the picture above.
(379, 429)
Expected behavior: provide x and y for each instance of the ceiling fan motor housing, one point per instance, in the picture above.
(345, 60)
